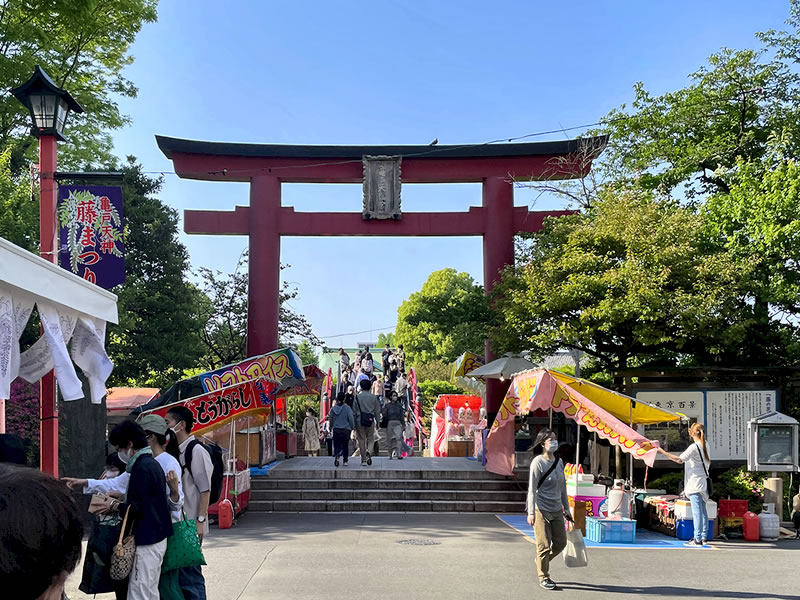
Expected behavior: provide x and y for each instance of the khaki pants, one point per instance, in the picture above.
(366, 439)
(551, 539)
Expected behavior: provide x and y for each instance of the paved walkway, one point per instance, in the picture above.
(470, 556)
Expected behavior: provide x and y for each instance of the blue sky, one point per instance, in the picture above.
(396, 72)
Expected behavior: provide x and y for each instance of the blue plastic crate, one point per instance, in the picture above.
(611, 531)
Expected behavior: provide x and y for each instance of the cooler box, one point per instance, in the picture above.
(683, 510)
(684, 529)
(608, 531)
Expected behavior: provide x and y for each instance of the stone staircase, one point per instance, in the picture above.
(413, 485)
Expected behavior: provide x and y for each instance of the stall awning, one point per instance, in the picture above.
(541, 389)
(72, 311)
(625, 408)
(125, 399)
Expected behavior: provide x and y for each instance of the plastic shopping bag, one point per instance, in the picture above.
(575, 552)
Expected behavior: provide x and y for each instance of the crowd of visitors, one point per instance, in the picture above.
(368, 400)
(159, 476)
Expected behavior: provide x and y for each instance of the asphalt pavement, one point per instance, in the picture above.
(406, 556)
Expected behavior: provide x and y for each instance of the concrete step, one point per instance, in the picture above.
(397, 494)
(268, 483)
(383, 506)
(353, 471)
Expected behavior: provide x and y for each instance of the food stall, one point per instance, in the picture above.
(452, 422)
(595, 409)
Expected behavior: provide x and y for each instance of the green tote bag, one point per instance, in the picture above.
(183, 547)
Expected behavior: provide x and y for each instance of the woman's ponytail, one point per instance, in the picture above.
(698, 430)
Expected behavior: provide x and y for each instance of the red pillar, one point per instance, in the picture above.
(263, 305)
(48, 197)
(498, 251)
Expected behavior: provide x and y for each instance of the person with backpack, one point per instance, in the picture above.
(366, 410)
(548, 505)
(199, 472)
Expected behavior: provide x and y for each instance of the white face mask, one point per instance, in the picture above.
(123, 456)
(552, 445)
(174, 429)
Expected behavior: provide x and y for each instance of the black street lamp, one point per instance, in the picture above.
(48, 104)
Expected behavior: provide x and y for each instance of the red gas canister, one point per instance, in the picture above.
(225, 515)
(751, 531)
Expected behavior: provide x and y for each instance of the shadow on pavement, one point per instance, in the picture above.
(664, 591)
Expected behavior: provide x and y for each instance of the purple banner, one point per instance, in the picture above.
(90, 233)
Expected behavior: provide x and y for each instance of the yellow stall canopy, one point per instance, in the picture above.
(618, 404)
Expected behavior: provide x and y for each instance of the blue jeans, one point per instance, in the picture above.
(699, 516)
(192, 583)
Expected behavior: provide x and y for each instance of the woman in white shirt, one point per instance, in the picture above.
(696, 464)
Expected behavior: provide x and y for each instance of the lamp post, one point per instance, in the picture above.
(49, 107)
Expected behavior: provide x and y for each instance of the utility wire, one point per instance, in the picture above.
(357, 332)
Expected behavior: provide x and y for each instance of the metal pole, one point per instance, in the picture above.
(630, 456)
(48, 192)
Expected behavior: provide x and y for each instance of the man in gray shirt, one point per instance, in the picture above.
(366, 404)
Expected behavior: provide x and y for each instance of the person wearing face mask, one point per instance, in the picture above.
(548, 505)
(197, 472)
(147, 503)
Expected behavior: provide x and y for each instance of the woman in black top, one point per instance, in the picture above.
(147, 505)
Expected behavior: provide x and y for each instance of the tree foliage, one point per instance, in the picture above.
(224, 315)
(306, 352)
(631, 277)
(687, 251)
(434, 370)
(159, 320)
(83, 45)
(385, 338)
(447, 317)
(19, 212)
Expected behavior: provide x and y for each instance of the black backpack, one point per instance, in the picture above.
(216, 460)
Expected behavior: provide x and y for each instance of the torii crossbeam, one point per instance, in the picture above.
(265, 220)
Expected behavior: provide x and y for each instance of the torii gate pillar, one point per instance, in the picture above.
(498, 252)
(263, 299)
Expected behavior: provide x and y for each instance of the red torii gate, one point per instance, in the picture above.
(266, 166)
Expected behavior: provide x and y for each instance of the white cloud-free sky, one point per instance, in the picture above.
(400, 72)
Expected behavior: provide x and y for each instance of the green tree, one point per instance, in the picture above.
(385, 338)
(307, 353)
(224, 315)
(159, 310)
(756, 222)
(19, 212)
(691, 138)
(447, 317)
(434, 370)
(83, 45)
(629, 280)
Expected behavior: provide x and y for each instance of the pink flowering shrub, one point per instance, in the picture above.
(22, 415)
